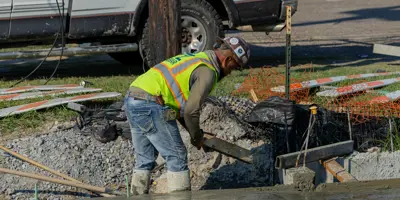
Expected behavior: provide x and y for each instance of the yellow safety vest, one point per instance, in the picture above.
(170, 79)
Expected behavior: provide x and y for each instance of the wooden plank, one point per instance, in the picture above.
(329, 80)
(30, 95)
(338, 171)
(253, 96)
(54, 102)
(164, 29)
(389, 97)
(28, 88)
(386, 50)
(357, 87)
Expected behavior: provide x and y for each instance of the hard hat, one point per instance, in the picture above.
(239, 47)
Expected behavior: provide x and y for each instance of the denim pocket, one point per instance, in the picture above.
(143, 121)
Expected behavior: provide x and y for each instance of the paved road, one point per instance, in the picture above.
(334, 28)
(324, 31)
(319, 19)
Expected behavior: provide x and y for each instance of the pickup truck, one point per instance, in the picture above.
(113, 22)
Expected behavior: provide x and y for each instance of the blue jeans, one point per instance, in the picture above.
(152, 134)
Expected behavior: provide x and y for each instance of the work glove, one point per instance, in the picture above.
(197, 139)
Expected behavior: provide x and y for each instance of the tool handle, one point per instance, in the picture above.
(15, 154)
(63, 182)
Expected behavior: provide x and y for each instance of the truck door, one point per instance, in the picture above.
(98, 18)
(36, 18)
(5, 16)
(258, 11)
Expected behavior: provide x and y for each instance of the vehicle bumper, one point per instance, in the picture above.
(293, 3)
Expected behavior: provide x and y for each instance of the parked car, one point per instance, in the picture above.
(25, 22)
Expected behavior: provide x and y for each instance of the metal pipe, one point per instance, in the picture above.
(288, 51)
(315, 154)
(62, 182)
(73, 51)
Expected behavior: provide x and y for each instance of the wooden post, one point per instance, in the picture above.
(253, 96)
(164, 29)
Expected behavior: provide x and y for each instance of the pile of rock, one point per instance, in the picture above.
(213, 170)
(106, 164)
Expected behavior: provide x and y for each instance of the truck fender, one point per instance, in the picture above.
(233, 13)
(142, 11)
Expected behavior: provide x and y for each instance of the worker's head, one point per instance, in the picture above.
(233, 53)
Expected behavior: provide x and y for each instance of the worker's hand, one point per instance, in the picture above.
(197, 140)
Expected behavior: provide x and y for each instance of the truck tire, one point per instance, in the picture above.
(194, 13)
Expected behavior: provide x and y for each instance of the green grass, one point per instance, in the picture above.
(34, 120)
(392, 139)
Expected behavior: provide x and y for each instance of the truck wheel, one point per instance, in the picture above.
(201, 24)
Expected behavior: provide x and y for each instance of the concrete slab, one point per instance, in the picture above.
(363, 166)
(373, 166)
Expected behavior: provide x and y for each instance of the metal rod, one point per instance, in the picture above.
(391, 134)
(127, 186)
(288, 49)
(315, 154)
(62, 182)
(349, 123)
(36, 192)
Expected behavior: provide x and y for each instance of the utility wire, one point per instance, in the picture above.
(60, 30)
(62, 38)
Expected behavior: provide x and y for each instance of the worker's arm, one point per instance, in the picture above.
(202, 81)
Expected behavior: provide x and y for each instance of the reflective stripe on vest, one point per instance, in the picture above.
(170, 74)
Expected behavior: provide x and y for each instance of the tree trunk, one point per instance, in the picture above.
(164, 29)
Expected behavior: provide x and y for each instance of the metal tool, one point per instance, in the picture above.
(315, 154)
(227, 148)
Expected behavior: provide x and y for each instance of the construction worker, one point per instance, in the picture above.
(172, 91)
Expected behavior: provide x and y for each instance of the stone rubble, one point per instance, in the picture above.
(106, 165)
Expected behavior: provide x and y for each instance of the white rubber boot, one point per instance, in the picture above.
(140, 182)
(178, 181)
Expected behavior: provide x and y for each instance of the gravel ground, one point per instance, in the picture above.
(105, 165)
(70, 153)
